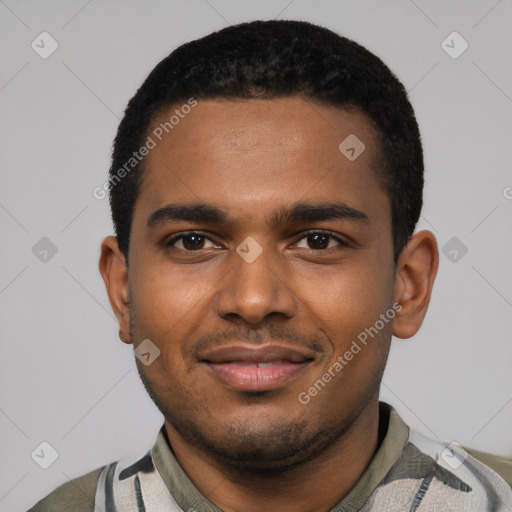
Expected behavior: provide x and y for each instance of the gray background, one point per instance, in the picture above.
(65, 376)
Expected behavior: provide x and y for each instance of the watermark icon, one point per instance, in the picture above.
(249, 249)
(44, 455)
(152, 140)
(304, 397)
(454, 455)
(454, 45)
(507, 193)
(44, 45)
(44, 250)
(351, 147)
(146, 352)
(454, 249)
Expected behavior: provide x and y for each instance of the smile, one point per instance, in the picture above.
(264, 368)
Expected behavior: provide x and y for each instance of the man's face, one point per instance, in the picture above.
(252, 289)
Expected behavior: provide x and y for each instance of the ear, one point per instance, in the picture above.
(416, 271)
(114, 272)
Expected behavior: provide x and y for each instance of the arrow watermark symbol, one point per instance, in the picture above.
(454, 455)
(44, 455)
(351, 147)
(249, 249)
(44, 250)
(146, 352)
(44, 45)
(454, 45)
(454, 249)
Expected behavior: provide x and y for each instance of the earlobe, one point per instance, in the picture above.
(415, 275)
(113, 270)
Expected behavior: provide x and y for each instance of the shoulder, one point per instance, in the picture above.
(431, 475)
(452, 476)
(502, 465)
(80, 494)
(77, 495)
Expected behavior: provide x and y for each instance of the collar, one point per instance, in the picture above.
(188, 497)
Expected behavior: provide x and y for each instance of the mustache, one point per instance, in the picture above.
(272, 333)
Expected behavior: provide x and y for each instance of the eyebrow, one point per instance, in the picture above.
(298, 213)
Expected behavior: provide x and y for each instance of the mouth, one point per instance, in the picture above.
(262, 368)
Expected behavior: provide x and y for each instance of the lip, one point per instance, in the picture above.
(238, 365)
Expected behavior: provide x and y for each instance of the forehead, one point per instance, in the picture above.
(254, 155)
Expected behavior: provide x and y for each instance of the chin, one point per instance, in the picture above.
(260, 445)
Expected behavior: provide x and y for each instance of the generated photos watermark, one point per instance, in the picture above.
(305, 397)
(152, 141)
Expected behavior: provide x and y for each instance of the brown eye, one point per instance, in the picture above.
(319, 240)
(189, 241)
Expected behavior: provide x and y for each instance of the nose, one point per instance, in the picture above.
(255, 289)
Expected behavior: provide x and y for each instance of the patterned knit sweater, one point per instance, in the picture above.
(409, 473)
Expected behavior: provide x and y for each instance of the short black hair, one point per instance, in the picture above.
(275, 59)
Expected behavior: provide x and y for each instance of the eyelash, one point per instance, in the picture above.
(304, 236)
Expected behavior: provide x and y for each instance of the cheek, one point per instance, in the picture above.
(167, 309)
(347, 300)
(347, 304)
(162, 299)
(348, 308)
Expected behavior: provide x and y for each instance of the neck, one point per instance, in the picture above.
(316, 486)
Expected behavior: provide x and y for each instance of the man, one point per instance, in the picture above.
(265, 186)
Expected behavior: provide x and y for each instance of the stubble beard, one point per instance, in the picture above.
(249, 448)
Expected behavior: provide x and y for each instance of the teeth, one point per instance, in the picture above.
(251, 364)
(268, 365)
